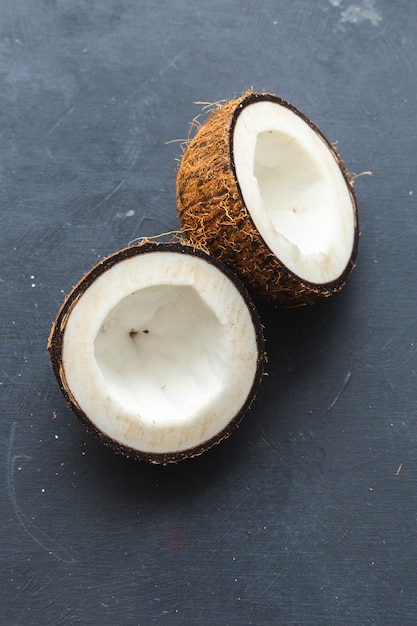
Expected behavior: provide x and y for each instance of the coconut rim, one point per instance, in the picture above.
(56, 340)
(339, 282)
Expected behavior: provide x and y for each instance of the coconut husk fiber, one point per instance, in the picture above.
(212, 211)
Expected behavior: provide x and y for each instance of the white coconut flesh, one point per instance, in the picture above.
(160, 352)
(294, 190)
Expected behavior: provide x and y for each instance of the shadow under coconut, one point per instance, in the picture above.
(293, 333)
(130, 478)
(303, 342)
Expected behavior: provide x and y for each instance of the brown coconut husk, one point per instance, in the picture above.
(212, 211)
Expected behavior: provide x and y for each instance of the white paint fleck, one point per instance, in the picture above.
(129, 213)
(362, 12)
(410, 193)
(335, 3)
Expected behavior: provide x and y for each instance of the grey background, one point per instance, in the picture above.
(307, 514)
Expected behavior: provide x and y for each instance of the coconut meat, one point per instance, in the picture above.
(294, 190)
(160, 352)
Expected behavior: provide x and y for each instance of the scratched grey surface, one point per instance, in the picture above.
(307, 514)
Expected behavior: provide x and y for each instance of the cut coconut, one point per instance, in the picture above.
(159, 351)
(265, 192)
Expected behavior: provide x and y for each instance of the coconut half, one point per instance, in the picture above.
(159, 351)
(264, 191)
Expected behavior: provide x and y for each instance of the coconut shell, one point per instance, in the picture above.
(212, 211)
(55, 347)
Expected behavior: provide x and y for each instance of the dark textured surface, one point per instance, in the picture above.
(307, 514)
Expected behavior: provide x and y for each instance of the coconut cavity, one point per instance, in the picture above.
(159, 351)
(266, 193)
(294, 191)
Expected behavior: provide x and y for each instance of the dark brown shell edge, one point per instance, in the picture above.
(56, 336)
(211, 209)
